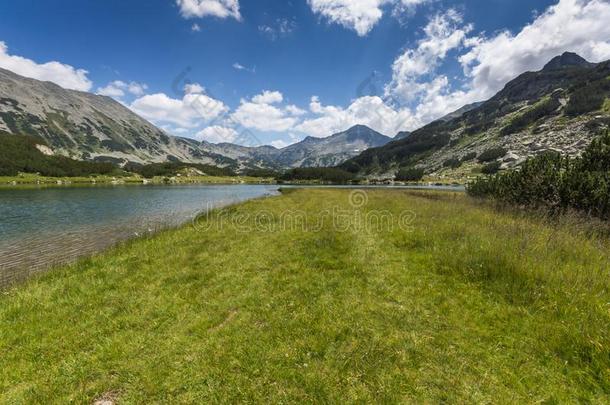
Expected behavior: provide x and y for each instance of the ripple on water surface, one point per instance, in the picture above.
(41, 228)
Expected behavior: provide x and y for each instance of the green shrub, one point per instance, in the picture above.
(410, 174)
(492, 154)
(453, 163)
(555, 182)
(491, 168)
(589, 97)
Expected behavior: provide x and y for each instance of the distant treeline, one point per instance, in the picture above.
(261, 173)
(169, 169)
(18, 153)
(410, 174)
(556, 182)
(323, 174)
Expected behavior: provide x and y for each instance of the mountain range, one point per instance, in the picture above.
(560, 108)
(91, 127)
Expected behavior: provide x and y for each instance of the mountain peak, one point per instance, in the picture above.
(309, 139)
(364, 133)
(567, 59)
(359, 127)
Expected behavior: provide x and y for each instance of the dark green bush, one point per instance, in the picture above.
(589, 97)
(491, 168)
(492, 154)
(584, 101)
(410, 174)
(453, 163)
(324, 174)
(555, 182)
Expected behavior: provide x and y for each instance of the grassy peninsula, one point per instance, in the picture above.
(457, 303)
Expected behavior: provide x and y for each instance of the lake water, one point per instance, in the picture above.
(42, 227)
(49, 226)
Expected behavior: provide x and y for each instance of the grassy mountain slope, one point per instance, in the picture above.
(560, 108)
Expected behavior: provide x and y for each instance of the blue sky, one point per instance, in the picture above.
(282, 70)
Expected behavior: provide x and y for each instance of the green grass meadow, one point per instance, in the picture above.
(459, 303)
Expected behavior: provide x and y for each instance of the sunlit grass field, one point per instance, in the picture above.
(321, 295)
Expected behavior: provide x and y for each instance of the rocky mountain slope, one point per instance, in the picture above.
(310, 152)
(97, 128)
(87, 126)
(448, 117)
(331, 151)
(560, 108)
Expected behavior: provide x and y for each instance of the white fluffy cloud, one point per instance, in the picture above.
(580, 26)
(294, 110)
(193, 110)
(137, 89)
(417, 92)
(193, 88)
(118, 88)
(442, 34)
(113, 89)
(64, 75)
(217, 134)
(214, 8)
(268, 97)
(262, 113)
(369, 110)
(359, 15)
(490, 62)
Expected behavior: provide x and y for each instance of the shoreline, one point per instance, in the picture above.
(20, 275)
(35, 181)
(293, 298)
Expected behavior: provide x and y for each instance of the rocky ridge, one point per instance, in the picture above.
(561, 108)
